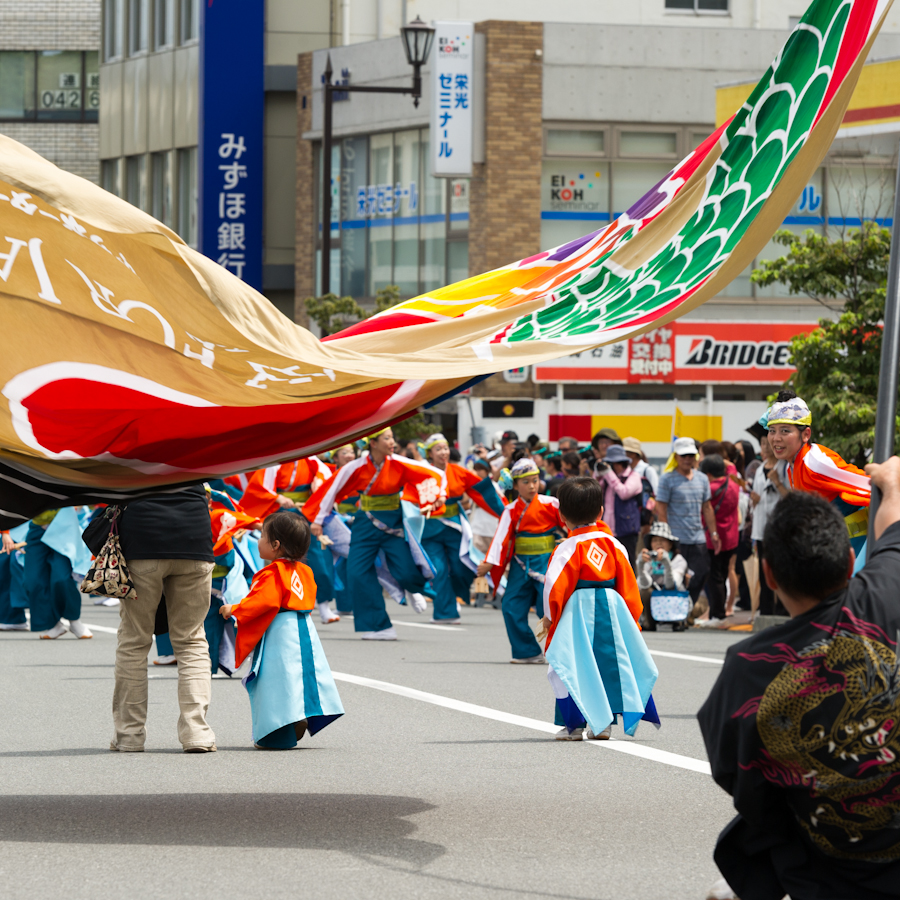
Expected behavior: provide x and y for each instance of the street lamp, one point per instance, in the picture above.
(417, 39)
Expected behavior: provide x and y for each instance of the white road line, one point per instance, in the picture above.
(706, 659)
(102, 628)
(424, 625)
(633, 749)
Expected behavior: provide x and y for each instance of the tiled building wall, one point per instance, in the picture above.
(73, 146)
(50, 24)
(54, 25)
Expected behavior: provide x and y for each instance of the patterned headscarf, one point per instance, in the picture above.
(522, 468)
(434, 439)
(791, 412)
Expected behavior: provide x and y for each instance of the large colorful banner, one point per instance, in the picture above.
(687, 351)
(130, 361)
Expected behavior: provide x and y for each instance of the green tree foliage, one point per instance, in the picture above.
(385, 298)
(413, 427)
(837, 364)
(332, 313)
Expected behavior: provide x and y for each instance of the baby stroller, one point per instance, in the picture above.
(668, 602)
(671, 606)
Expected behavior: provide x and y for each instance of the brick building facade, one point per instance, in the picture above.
(47, 26)
(504, 207)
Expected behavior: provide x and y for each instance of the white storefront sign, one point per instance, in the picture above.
(516, 376)
(451, 99)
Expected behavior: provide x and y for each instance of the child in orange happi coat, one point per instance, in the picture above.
(291, 687)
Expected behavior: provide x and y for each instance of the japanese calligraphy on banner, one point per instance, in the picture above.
(686, 352)
(230, 165)
(451, 99)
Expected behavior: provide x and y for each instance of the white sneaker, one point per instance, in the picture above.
(720, 891)
(164, 661)
(82, 632)
(530, 661)
(23, 626)
(107, 601)
(327, 615)
(386, 634)
(565, 735)
(58, 630)
(445, 621)
(709, 623)
(604, 735)
(418, 602)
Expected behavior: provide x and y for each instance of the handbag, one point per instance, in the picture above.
(108, 574)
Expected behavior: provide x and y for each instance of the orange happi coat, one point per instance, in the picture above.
(821, 471)
(265, 484)
(396, 473)
(459, 481)
(588, 555)
(283, 584)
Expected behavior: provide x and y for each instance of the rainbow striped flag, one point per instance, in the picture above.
(130, 361)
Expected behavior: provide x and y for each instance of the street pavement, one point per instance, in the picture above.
(442, 780)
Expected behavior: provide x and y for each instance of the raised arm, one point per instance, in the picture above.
(886, 477)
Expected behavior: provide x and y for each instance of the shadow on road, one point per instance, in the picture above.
(358, 824)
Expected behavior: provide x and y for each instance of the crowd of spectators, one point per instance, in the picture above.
(714, 497)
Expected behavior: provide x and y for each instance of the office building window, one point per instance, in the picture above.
(161, 187)
(109, 176)
(187, 195)
(190, 20)
(164, 24)
(17, 85)
(713, 7)
(648, 143)
(575, 142)
(59, 87)
(138, 26)
(392, 222)
(113, 29)
(49, 85)
(135, 181)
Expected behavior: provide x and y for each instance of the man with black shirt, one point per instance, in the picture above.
(803, 725)
(167, 544)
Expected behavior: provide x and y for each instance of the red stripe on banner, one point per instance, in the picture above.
(578, 427)
(93, 418)
(380, 323)
(855, 36)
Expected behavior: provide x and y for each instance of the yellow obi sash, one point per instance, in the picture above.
(45, 518)
(450, 510)
(379, 502)
(220, 571)
(535, 545)
(300, 496)
(858, 523)
(347, 507)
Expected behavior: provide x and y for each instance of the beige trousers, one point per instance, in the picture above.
(186, 584)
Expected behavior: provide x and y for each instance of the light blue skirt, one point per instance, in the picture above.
(600, 663)
(290, 680)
